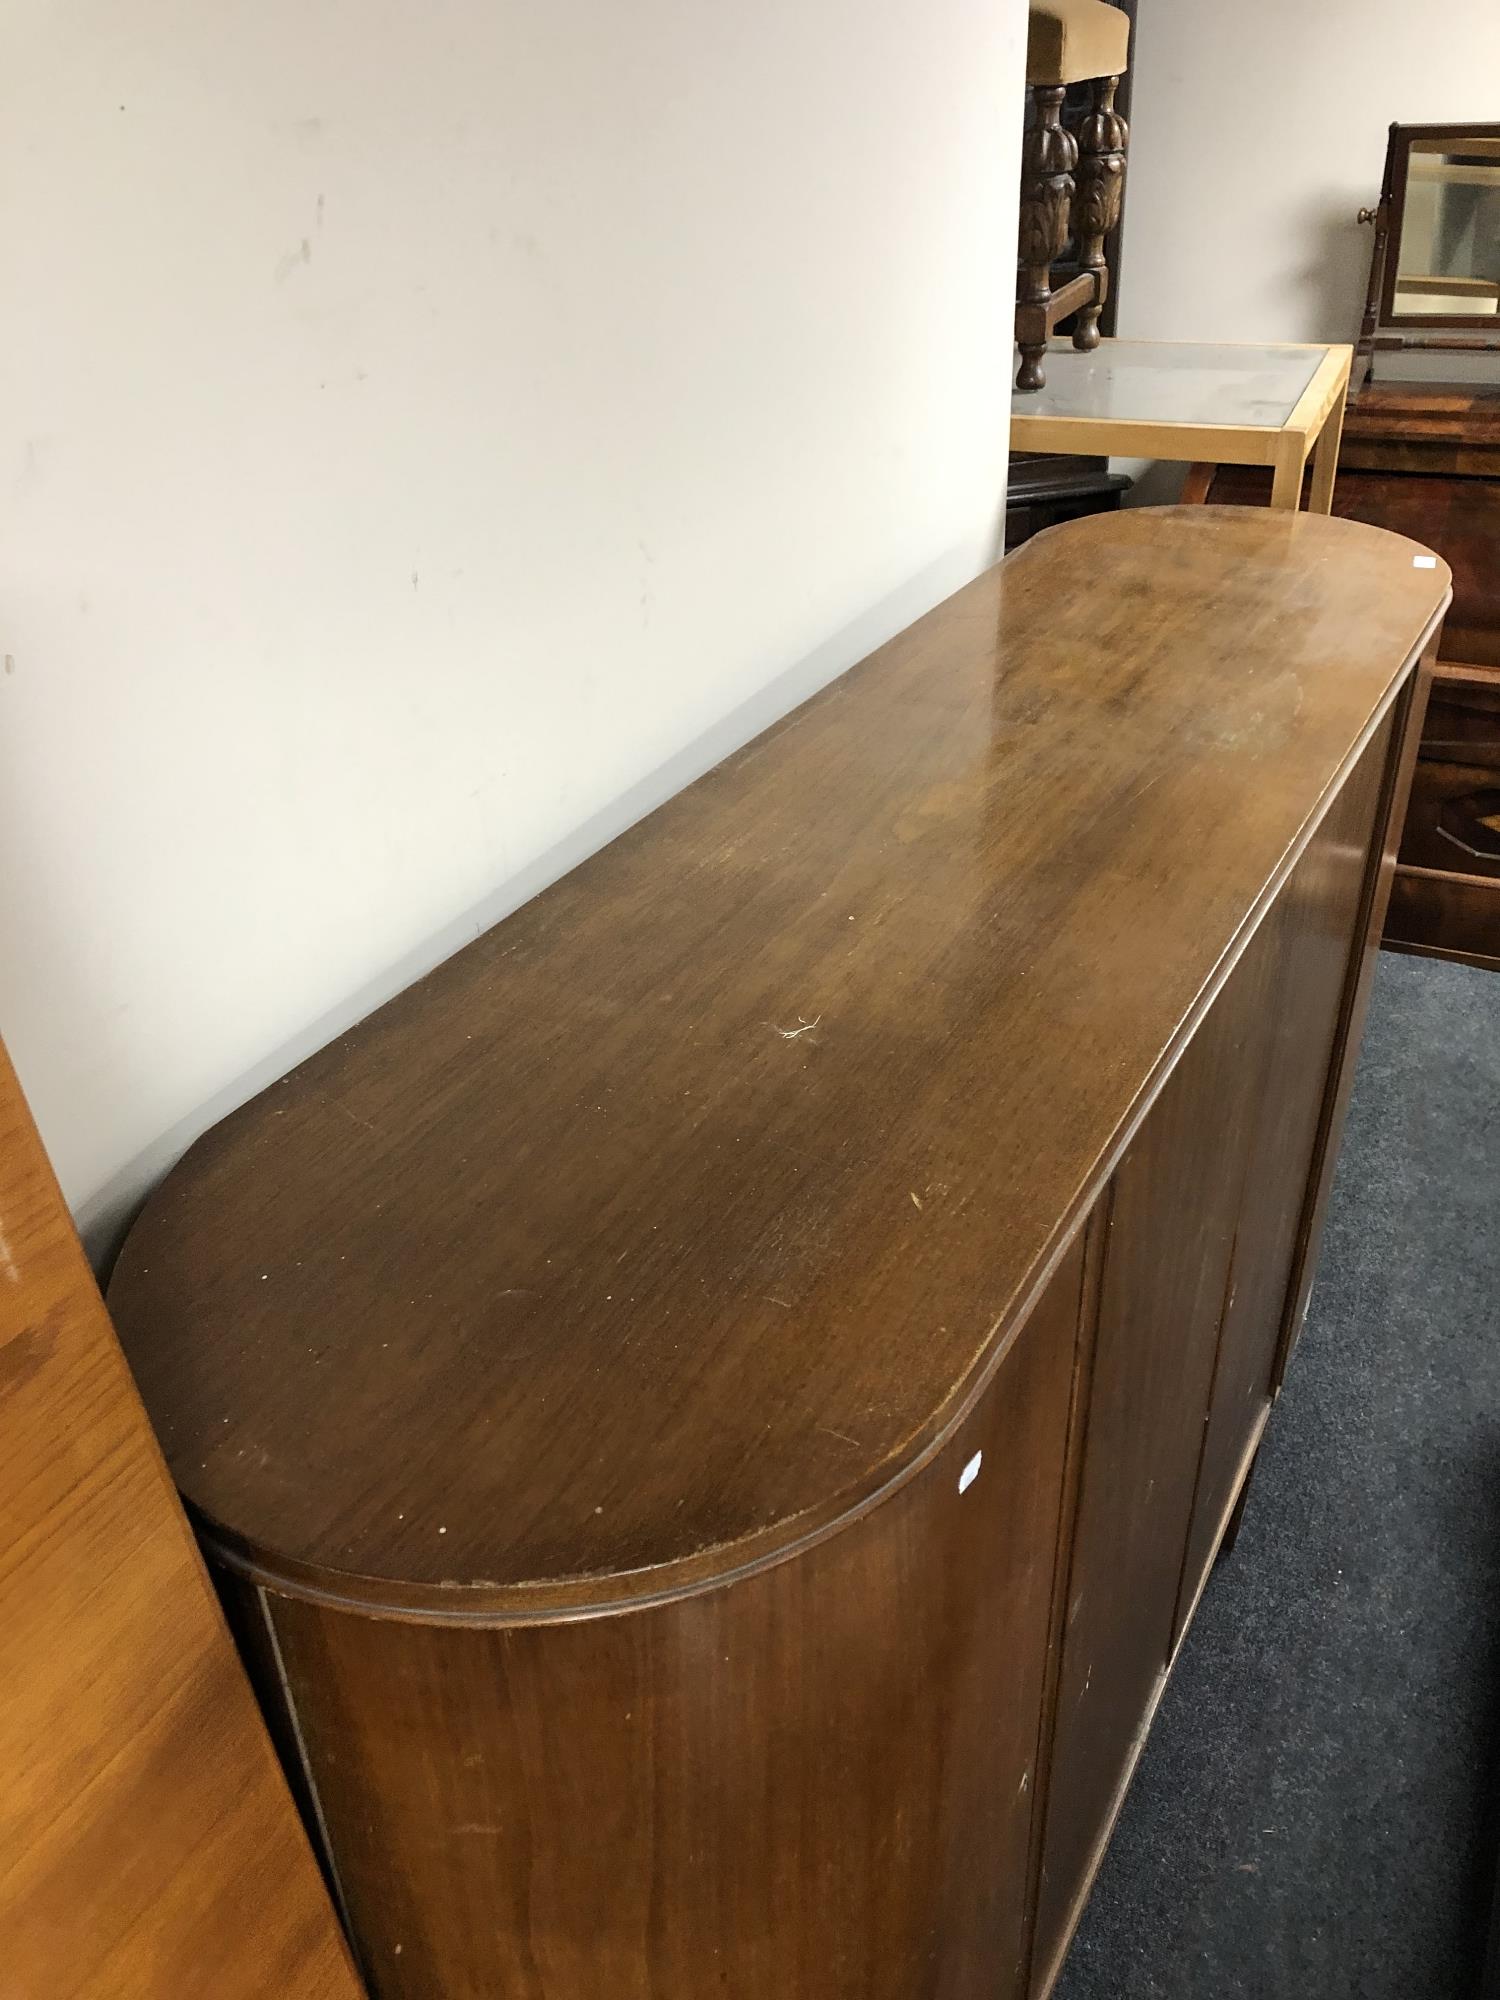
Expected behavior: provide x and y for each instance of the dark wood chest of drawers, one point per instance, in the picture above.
(1424, 459)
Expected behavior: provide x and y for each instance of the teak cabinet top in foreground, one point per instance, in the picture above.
(637, 1243)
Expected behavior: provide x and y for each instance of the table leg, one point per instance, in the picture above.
(1286, 485)
(1326, 457)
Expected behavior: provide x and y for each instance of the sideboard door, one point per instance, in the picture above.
(1211, 1222)
(1315, 932)
(815, 1783)
(1169, 1238)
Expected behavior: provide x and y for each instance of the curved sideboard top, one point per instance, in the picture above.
(641, 1242)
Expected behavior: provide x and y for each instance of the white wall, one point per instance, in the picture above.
(1257, 134)
(431, 435)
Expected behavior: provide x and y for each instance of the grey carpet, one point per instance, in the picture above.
(1315, 1812)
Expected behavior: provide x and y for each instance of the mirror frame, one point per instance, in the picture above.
(1393, 200)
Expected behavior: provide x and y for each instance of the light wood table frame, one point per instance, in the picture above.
(1059, 418)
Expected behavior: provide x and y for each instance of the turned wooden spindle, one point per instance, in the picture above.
(1049, 154)
(1102, 139)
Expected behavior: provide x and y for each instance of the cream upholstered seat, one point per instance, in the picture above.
(1070, 41)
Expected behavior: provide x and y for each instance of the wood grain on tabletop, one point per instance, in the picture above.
(637, 1242)
(149, 1849)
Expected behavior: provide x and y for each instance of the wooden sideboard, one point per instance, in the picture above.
(717, 1405)
(1423, 459)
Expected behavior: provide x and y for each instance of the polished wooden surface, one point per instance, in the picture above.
(637, 1243)
(148, 1847)
(709, 1407)
(1457, 515)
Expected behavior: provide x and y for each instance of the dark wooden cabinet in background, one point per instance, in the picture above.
(716, 1406)
(1046, 490)
(1423, 459)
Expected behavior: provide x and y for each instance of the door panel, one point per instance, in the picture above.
(782, 1857)
(1166, 1263)
(1311, 934)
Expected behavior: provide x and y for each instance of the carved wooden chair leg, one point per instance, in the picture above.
(1102, 140)
(1048, 157)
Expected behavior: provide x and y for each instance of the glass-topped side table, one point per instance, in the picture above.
(1226, 403)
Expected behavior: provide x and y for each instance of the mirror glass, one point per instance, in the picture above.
(1448, 258)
